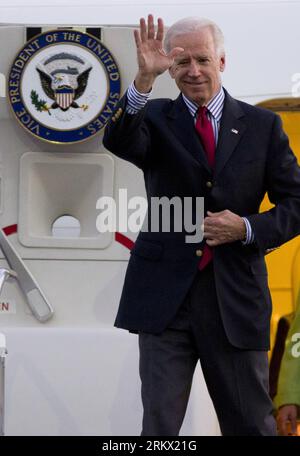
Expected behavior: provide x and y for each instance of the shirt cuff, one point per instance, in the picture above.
(249, 233)
(136, 100)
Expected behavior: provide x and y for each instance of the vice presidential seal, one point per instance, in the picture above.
(63, 86)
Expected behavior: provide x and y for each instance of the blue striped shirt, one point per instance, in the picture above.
(136, 101)
(214, 111)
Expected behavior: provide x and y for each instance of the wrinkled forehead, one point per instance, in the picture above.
(200, 41)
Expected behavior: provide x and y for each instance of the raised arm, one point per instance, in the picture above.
(127, 134)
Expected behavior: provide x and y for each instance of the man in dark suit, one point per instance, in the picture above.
(208, 300)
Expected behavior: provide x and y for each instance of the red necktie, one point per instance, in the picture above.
(206, 133)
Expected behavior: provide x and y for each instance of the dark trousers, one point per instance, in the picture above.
(237, 380)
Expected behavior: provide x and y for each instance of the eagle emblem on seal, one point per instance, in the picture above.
(63, 80)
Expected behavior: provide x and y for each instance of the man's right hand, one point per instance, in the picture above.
(287, 420)
(152, 59)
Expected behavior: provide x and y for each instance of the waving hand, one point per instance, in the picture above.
(152, 59)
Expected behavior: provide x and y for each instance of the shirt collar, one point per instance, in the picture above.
(214, 106)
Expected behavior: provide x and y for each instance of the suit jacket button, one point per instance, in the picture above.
(209, 184)
(199, 253)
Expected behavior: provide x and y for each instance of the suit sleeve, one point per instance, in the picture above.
(281, 223)
(127, 135)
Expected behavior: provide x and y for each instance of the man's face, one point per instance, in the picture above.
(197, 69)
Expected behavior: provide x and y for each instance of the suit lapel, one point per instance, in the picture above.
(231, 130)
(182, 125)
(230, 133)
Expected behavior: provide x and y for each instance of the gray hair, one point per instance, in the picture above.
(195, 24)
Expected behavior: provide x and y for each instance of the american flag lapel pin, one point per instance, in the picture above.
(234, 131)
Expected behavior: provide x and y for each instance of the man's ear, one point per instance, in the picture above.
(172, 71)
(222, 62)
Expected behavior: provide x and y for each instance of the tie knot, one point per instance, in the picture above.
(202, 110)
